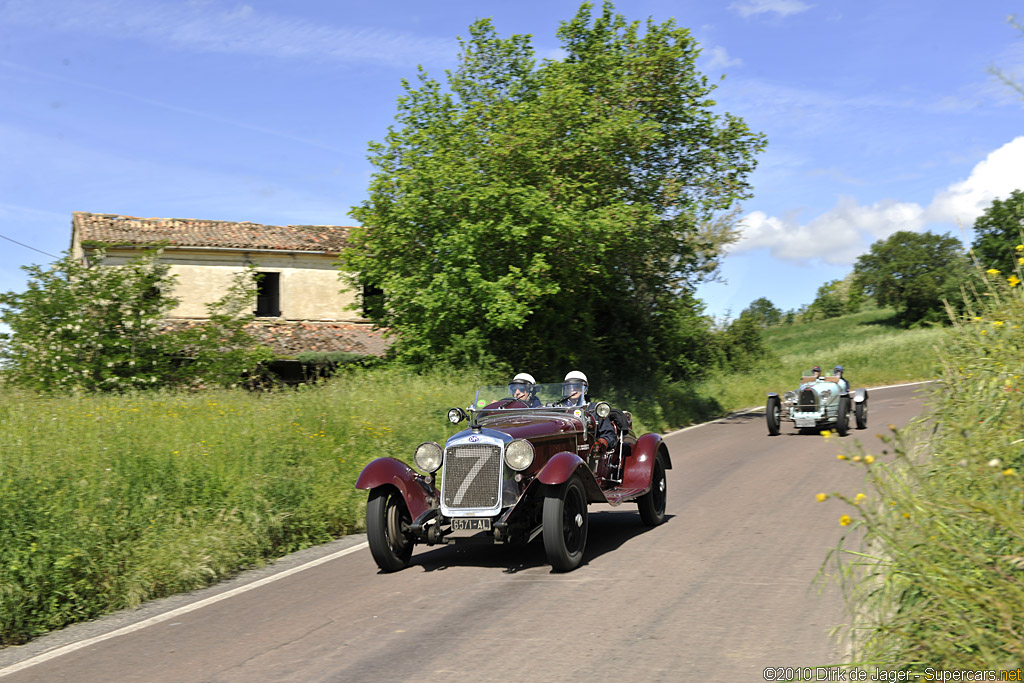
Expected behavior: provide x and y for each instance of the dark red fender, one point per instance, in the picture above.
(561, 466)
(396, 473)
(640, 463)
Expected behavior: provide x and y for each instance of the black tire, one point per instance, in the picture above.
(387, 524)
(843, 416)
(773, 414)
(652, 503)
(565, 526)
(860, 412)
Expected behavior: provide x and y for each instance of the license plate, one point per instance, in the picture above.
(806, 423)
(471, 524)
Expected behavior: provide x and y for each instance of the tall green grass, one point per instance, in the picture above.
(939, 581)
(107, 501)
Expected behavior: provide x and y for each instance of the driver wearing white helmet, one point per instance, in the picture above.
(574, 389)
(522, 389)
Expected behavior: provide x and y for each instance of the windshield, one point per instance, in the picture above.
(522, 396)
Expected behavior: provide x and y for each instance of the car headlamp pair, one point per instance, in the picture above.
(519, 455)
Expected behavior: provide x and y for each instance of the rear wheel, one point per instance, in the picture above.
(565, 526)
(861, 413)
(387, 529)
(773, 415)
(843, 416)
(652, 503)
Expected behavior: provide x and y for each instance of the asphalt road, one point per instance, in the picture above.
(722, 590)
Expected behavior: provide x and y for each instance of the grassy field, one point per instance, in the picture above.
(107, 501)
(939, 580)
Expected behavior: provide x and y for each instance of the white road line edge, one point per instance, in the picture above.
(757, 409)
(52, 654)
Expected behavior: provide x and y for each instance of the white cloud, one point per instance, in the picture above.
(215, 26)
(747, 8)
(999, 174)
(718, 58)
(844, 232)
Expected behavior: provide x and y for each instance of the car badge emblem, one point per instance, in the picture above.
(474, 439)
(578, 413)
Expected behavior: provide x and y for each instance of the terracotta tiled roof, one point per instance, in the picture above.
(290, 339)
(188, 232)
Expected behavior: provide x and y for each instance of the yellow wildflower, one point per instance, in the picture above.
(869, 459)
(1019, 247)
(827, 433)
(845, 520)
(1013, 279)
(858, 498)
(992, 271)
(856, 458)
(841, 457)
(906, 515)
(1009, 472)
(821, 497)
(997, 323)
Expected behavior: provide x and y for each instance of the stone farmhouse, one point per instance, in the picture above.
(301, 304)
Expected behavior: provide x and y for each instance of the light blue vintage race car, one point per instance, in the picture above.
(821, 402)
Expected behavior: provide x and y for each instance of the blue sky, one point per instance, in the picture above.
(881, 115)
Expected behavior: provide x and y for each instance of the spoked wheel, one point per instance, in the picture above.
(652, 503)
(387, 529)
(565, 526)
(773, 414)
(861, 413)
(843, 416)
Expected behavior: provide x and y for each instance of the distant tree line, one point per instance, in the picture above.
(917, 274)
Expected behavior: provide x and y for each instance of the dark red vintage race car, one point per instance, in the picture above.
(515, 473)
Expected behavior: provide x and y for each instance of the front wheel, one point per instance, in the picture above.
(565, 526)
(772, 415)
(843, 416)
(387, 529)
(861, 413)
(652, 503)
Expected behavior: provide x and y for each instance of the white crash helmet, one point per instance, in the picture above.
(523, 378)
(574, 381)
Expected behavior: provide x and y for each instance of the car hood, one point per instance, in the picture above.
(530, 426)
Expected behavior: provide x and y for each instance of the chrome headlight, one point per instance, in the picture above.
(603, 410)
(825, 395)
(519, 455)
(428, 457)
(456, 415)
(790, 397)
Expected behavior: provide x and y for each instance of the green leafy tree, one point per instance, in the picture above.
(914, 273)
(556, 214)
(742, 344)
(998, 231)
(828, 303)
(763, 311)
(98, 327)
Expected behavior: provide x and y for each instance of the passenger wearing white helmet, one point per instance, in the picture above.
(522, 389)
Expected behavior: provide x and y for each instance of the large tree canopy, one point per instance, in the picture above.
(998, 231)
(914, 272)
(554, 214)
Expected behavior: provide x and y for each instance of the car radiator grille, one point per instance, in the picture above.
(808, 402)
(472, 476)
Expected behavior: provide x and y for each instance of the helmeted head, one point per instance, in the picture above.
(838, 370)
(574, 386)
(521, 386)
(816, 370)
